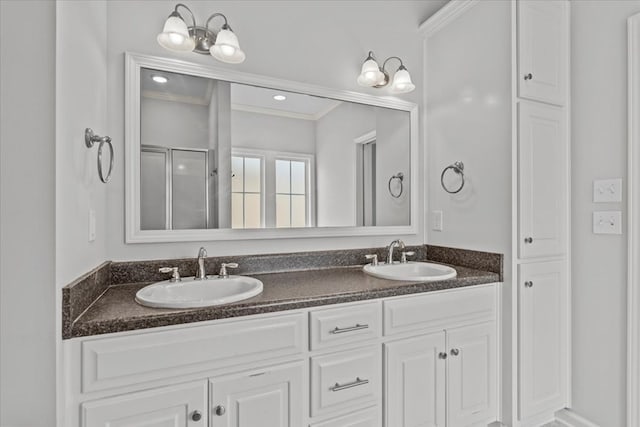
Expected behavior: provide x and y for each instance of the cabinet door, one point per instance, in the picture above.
(542, 50)
(542, 180)
(542, 329)
(268, 397)
(182, 405)
(415, 381)
(472, 376)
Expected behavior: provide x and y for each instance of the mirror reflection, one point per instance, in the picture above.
(218, 154)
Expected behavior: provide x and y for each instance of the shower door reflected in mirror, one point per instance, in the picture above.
(177, 186)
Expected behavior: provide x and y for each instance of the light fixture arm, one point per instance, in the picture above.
(193, 18)
(225, 26)
(384, 64)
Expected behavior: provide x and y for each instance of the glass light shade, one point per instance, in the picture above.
(227, 49)
(402, 81)
(175, 35)
(370, 75)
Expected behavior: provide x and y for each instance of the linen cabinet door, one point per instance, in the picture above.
(542, 181)
(415, 381)
(542, 50)
(182, 405)
(472, 375)
(268, 397)
(542, 327)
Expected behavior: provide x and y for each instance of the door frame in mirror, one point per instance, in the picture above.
(133, 233)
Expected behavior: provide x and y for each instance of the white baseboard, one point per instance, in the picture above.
(572, 419)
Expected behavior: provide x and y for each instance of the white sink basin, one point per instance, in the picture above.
(413, 271)
(191, 293)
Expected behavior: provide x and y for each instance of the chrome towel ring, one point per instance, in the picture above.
(90, 138)
(400, 177)
(458, 168)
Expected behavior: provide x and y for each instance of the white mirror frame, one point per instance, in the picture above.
(133, 65)
(633, 223)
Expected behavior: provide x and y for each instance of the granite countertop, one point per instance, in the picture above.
(115, 310)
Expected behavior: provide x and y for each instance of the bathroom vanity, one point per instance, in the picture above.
(322, 348)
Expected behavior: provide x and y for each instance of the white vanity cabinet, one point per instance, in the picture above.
(268, 397)
(450, 374)
(431, 362)
(542, 180)
(542, 50)
(182, 405)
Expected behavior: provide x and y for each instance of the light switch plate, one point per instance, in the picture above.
(437, 220)
(609, 222)
(607, 190)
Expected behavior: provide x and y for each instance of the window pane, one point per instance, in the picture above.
(298, 211)
(237, 215)
(252, 211)
(283, 211)
(298, 178)
(283, 176)
(251, 175)
(237, 174)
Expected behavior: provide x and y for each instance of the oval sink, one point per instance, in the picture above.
(191, 293)
(413, 271)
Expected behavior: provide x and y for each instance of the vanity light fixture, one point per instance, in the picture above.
(373, 75)
(279, 97)
(221, 44)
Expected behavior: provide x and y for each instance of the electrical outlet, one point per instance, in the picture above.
(437, 220)
(92, 225)
(607, 222)
(607, 190)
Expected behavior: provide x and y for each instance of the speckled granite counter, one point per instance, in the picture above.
(116, 310)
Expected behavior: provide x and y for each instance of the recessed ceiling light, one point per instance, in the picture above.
(159, 79)
(279, 97)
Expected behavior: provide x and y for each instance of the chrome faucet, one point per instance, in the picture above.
(201, 274)
(395, 244)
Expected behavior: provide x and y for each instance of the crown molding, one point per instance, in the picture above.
(444, 16)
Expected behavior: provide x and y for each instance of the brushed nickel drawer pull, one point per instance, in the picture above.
(358, 326)
(356, 383)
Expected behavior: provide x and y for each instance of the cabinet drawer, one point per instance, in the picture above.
(367, 418)
(345, 324)
(119, 361)
(346, 379)
(440, 309)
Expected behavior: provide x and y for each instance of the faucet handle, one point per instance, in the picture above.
(373, 258)
(223, 268)
(175, 275)
(405, 254)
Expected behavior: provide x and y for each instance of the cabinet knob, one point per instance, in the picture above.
(442, 355)
(196, 416)
(528, 76)
(528, 239)
(220, 410)
(528, 284)
(455, 351)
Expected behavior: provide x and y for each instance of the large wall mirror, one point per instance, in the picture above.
(222, 155)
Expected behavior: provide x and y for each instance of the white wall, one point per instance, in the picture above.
(319, 42)
(468, 119)
(27, 213)
(174, 124)
(274, 133)
(336, 162)
(81, 96)
(599, 150)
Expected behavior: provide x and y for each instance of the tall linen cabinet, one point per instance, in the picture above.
(497, 99)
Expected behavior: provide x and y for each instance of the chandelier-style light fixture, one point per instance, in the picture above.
(373, 75)
(222, 44)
